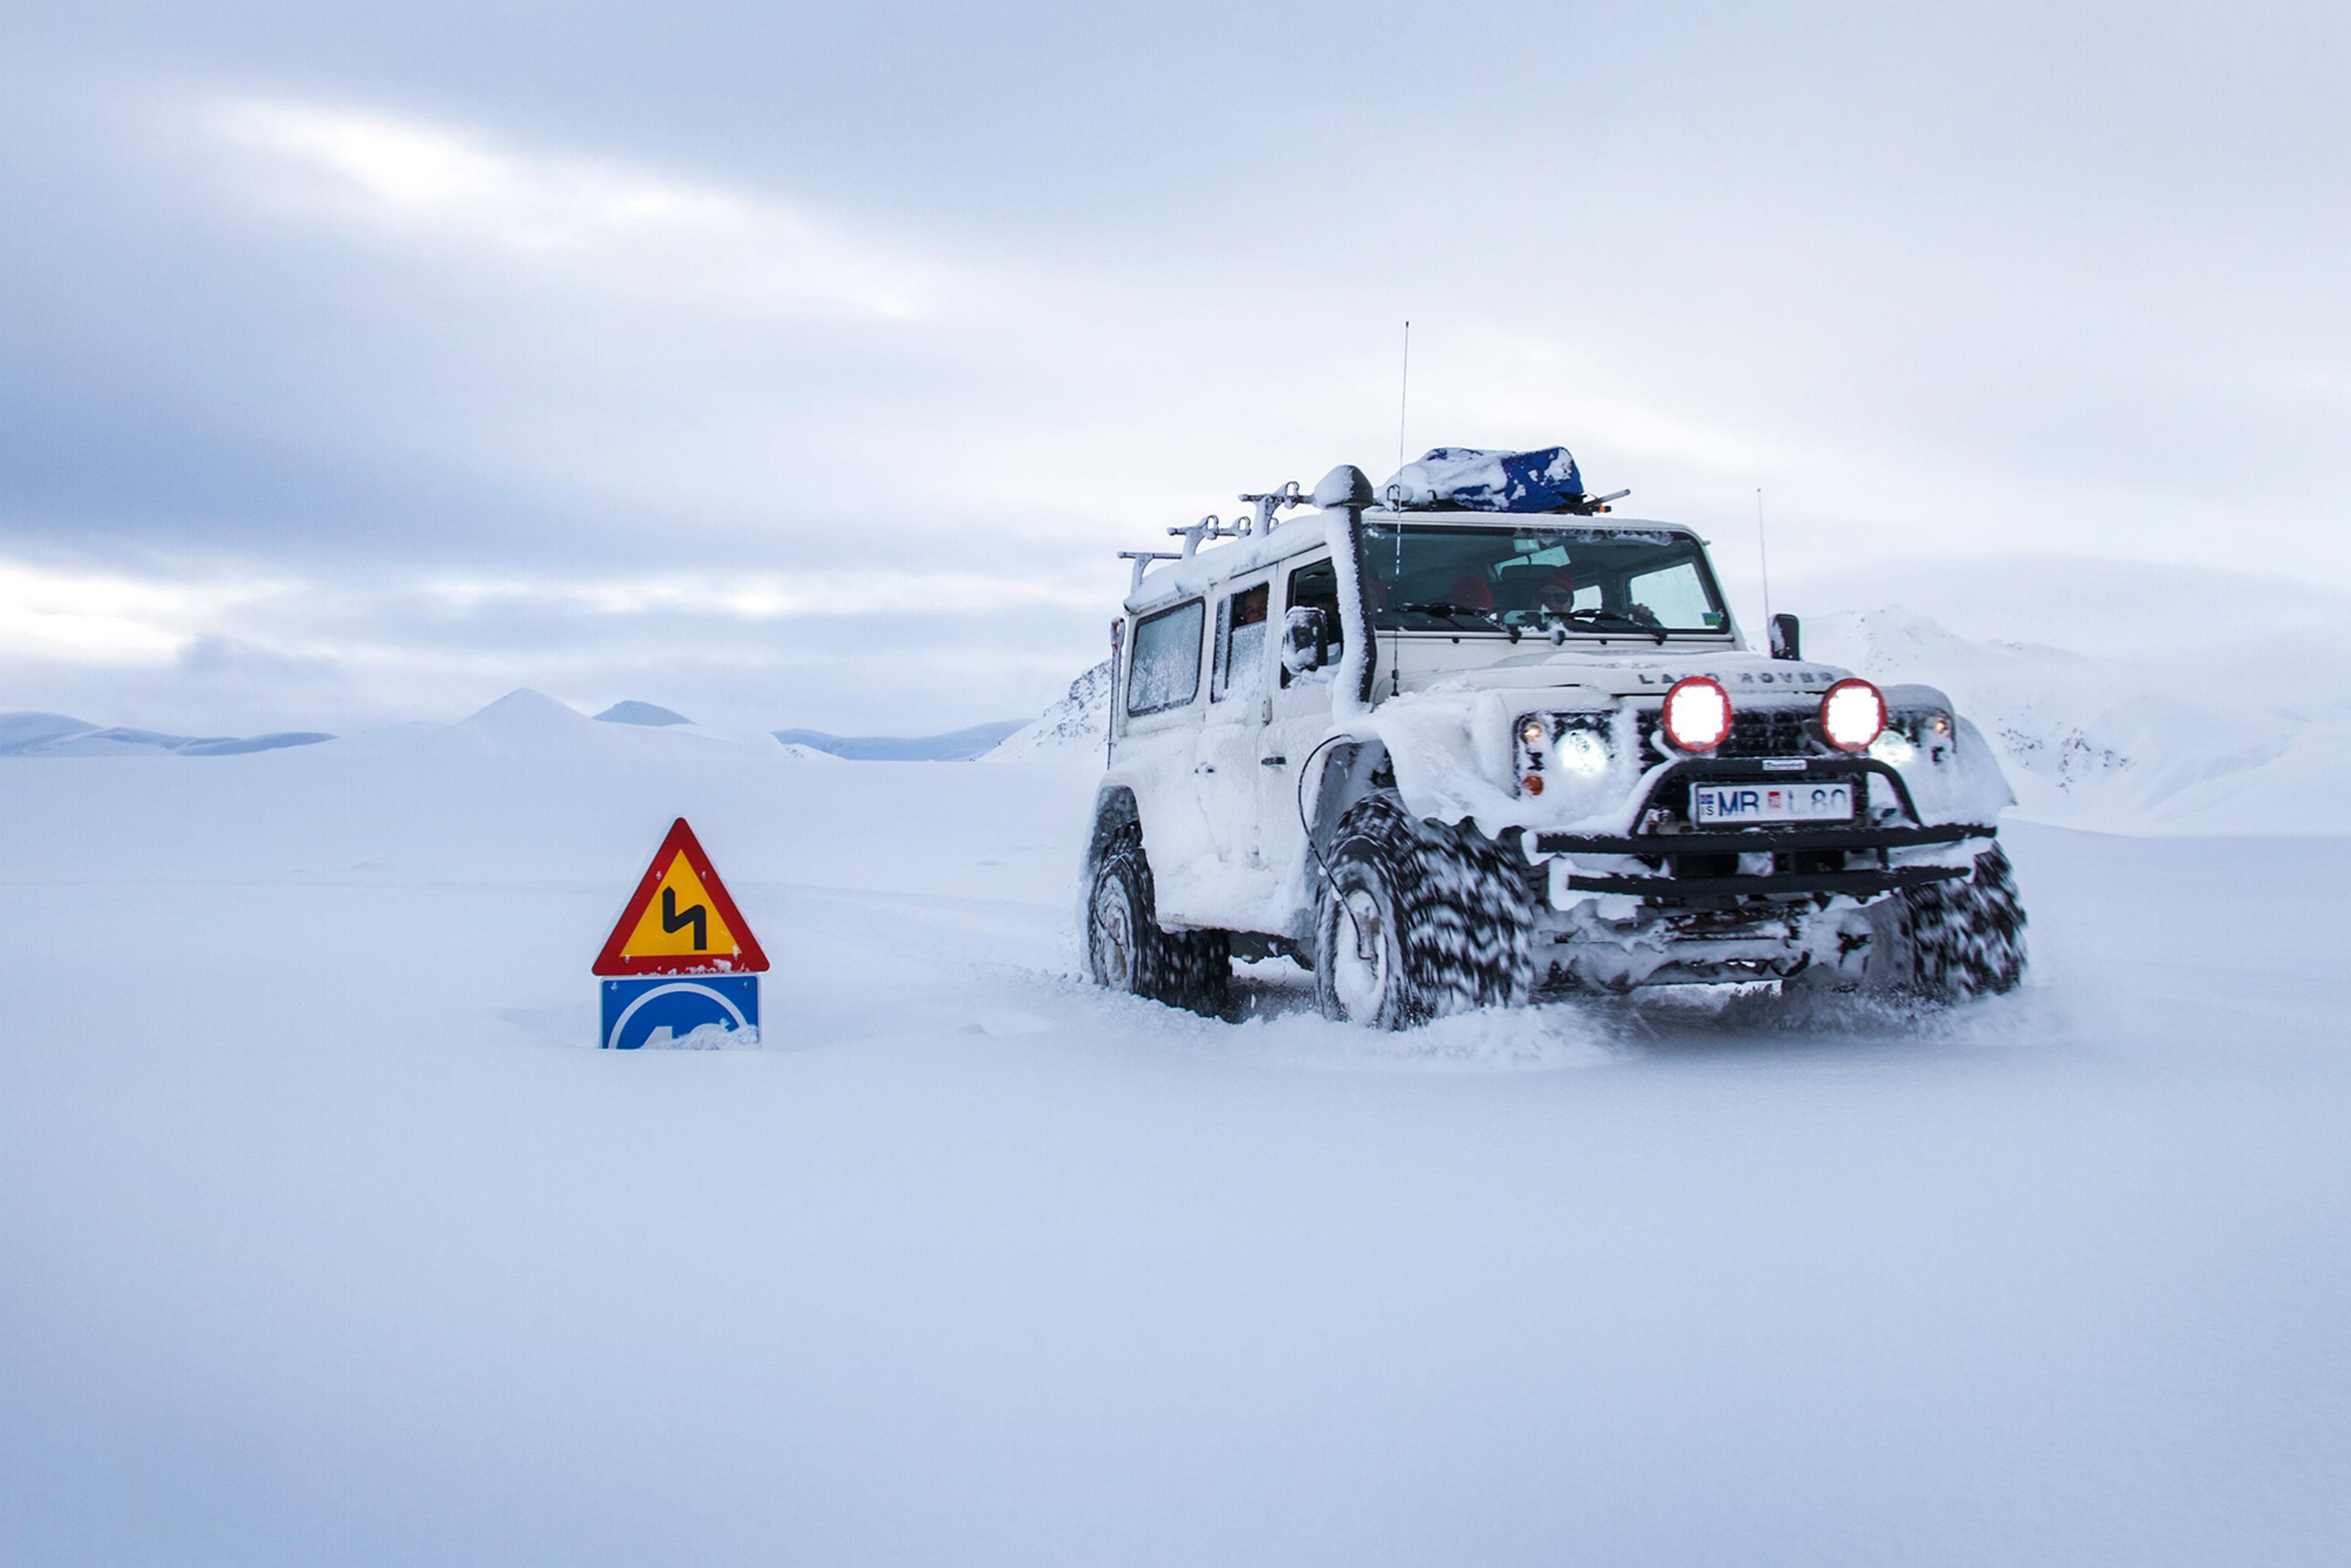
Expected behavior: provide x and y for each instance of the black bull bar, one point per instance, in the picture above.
(1832, 839)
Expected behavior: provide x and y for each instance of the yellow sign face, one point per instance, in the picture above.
(681, 921)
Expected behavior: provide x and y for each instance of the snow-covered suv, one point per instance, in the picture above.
(1474, 737)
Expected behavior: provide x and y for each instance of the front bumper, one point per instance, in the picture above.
(1666, 861)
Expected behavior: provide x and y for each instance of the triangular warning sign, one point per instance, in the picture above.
(679, 920)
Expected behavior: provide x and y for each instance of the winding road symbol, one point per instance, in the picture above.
(681, 919)
(673, 921)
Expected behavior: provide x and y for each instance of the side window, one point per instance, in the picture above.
(1240, 642)
(1165, 672)
(1315, 586)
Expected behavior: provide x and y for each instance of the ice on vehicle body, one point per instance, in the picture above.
(1447, 746)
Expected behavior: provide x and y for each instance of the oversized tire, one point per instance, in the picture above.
(1128, 950)
(1967, 937)
(1944, 942)
(1416, 920)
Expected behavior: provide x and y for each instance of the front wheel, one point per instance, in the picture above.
(1359, 968)
(1966, 939)
(1942, 942)
(1128, 950)
(1415, 920)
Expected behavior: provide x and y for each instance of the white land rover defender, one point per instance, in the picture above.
(1473, 737)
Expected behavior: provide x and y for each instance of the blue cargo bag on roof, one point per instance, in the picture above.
(1480, 481)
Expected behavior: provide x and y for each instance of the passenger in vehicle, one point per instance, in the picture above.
(1470, 592)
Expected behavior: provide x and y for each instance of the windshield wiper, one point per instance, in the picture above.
(1454, 612)
(1618, 622)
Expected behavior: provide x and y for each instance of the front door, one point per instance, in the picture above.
(1298, 710)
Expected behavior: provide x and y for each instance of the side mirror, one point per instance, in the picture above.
(1305, 631)
(1787, 638)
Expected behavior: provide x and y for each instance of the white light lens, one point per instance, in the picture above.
(1580, 751)
(1531, 732)
(1893, 746)
(1853, 714)
(1697, 713)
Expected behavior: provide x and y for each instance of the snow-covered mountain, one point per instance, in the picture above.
(630, 711)
(2193, 741)
(1076, 724)
(56, 735)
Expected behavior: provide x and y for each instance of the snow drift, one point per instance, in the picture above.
(328, 1237)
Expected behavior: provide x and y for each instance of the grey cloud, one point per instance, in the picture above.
(2021, 277)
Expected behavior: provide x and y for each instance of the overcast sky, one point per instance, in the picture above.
(804, 364)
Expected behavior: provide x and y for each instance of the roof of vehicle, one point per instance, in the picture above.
(1218, 562)
(1221, 563)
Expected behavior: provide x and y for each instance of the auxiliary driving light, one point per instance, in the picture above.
(1853, 712)
(1531, 732)
(1697, 713)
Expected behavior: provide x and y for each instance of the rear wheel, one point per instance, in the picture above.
(1128, 950)
(1416, 921)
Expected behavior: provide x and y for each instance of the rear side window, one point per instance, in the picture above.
(1165, 672)
(1240, 642)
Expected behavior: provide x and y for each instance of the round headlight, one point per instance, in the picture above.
(1853, 714)
(1697, 713)
(1531, 731)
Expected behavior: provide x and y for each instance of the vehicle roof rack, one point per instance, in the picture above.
(1212, 527)
(1143, 559)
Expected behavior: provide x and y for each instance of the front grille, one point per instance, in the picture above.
(1756, 732)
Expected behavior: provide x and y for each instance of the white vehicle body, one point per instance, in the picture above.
(1238, 768)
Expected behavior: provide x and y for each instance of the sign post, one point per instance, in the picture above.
(682, 958)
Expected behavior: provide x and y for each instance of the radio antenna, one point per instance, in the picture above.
(1764, 553)
(1395, 633)
(1404, 396)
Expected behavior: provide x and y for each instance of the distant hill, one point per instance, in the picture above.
(56, 735)
(632, 711)
(956, 746)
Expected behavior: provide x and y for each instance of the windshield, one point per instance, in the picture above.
(1423, 578)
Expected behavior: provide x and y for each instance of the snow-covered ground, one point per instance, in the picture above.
(326, 1237)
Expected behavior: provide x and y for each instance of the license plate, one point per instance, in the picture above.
(1725, 804)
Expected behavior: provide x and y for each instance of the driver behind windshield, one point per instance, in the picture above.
(1435, 577)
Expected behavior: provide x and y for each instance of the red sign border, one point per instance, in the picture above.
(750, 960)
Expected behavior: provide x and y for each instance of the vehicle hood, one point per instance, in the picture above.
(1583, 677)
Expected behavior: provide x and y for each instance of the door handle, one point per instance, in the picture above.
(1273, 761)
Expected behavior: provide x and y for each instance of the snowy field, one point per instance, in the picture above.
(326, 1236)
